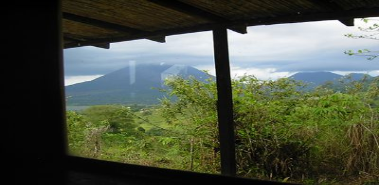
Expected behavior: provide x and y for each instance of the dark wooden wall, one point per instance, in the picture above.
(34, 142)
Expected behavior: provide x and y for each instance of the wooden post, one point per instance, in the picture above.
(36, 126)
(224, 102)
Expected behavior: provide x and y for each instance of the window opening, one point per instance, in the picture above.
(145, 103)
(304, 110)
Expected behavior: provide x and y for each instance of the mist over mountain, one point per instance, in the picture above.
(134, 84)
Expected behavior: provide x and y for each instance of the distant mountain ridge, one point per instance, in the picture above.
(134, 84)
(314, 79)
(130, 85)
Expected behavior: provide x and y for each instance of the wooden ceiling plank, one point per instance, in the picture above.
(327, 4)
(70, 39)
(188, 9)
(195, 12)
(105, 25)
(73, 37)
(98, 23)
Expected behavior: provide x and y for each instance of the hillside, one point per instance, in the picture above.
(130, 85)
(314, 79)
(139, 84)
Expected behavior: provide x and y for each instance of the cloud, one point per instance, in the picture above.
(262, 74)
(266, 50)
(190, 49)
(69, 80)
(293, 41)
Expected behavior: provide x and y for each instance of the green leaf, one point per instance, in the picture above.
(285, 179)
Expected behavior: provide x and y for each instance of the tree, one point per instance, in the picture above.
(117, 118)
(76, 130)
(371, 32)
(192, 108)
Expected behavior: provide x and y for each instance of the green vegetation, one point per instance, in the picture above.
(371, 31)
(329, 135)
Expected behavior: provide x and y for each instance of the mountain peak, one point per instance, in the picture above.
(316, 78)
(358, 76)
(133, 84)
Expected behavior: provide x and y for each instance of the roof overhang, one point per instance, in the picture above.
(98, 23)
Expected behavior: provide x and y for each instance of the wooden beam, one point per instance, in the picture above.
(103, 45)
(333, 6)
(195, 12)
(328, 4)
(347, 22)
(160, 39)
(188, 9)
(77, 39)
(224, 102)
(73, 37)
(310, 17)
(107, 25)
(239, 29)
(98, 23)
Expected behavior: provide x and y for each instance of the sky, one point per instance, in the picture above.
(267, 52)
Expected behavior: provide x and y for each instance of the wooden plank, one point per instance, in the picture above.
(348, 14)
(98, 23)
(224, 102)
(188, 9)
(77, 39)
(108, 25)
(196, 12)
(327, 4)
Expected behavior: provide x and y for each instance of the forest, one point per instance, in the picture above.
(284, 131)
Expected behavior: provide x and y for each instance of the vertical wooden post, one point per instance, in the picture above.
(36, 128)
(224, 102)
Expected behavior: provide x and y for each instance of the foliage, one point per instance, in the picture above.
(76, 127)
(194, 112)
(269, 142)
(372, 32)
(283, 132)
(286, 132)
(117, 118)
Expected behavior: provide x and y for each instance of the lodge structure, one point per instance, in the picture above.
(36, 32)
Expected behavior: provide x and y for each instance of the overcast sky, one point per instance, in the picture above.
(268, 52)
